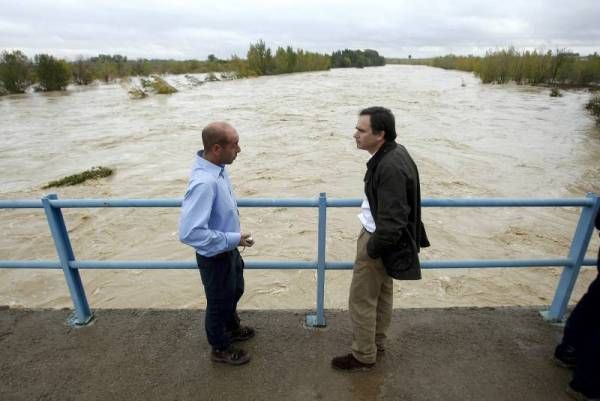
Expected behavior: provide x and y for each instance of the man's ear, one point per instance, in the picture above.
(216, 148)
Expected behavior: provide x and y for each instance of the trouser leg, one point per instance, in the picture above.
(219, 279)
(584, 316)
(586, 377)
(233, 322)
(384, 312)
(367, 277)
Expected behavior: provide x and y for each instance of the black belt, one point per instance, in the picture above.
(221, 255)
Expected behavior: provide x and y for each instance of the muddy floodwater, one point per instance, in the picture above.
(468, 139)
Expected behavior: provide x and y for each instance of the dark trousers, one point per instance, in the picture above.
(586, 377)
(582, 332)
(223, 279)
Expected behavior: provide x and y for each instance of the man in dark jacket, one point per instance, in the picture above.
(580, 346)
(391, 237)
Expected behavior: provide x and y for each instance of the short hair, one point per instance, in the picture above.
(382, 119)
(214, 134)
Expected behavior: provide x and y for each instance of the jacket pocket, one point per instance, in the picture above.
(402, 262)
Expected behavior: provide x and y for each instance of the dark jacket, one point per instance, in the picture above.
(598, 227)
(394, 194)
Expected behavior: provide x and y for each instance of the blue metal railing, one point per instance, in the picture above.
(82, 315)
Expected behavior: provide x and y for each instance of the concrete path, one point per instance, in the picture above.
(433, 354)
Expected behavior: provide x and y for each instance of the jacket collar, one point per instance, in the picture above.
(383, 150)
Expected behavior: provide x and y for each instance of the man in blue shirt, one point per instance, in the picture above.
(210, 223)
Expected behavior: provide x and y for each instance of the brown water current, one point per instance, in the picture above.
(296, 138)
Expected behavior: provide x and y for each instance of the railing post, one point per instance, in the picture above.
(58, 229)
(579, 246)
(318, 320)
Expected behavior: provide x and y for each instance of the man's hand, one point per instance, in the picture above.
(246, 240)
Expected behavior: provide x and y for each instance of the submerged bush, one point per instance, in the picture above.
(161, 86)
(15, 72)
(356, 58)
(157, 85)
(137, 93)
(211, 77)
(82, 72)
(93, 173)
(593, 106)
(52, 74)
(193, 80)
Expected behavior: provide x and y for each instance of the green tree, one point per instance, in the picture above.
(105, 70)
(280, 61)
(52, 74)
(82, 72)
(15, 71)
(260, 59)
(141, 67)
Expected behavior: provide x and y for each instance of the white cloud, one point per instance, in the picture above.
(194, 29)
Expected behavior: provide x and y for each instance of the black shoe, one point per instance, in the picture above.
(230, 356)
(350, 363)
(564, 355)
(242, 333)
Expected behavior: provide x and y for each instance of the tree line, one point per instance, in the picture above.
(356, 58)
(18, 72)
(523, 67)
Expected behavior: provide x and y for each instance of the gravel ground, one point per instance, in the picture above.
(433, 354)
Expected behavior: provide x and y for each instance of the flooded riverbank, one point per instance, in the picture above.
(296, 137)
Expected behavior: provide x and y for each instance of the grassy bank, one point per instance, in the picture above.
(560, 68)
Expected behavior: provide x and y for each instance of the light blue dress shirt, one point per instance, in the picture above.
(209, 220)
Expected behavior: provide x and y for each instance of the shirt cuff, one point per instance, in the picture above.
(233, 240)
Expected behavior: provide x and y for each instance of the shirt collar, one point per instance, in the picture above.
(215, 169)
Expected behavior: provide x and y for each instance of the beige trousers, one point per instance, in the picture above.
(370, 304)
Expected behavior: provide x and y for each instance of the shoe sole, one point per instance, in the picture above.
(361, 369)
(238, 362)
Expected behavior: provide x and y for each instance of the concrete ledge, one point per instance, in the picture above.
(433, 354)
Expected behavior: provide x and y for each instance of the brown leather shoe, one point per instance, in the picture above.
(231, 356)
(350, 363)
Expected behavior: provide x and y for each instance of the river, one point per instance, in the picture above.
(468, 139)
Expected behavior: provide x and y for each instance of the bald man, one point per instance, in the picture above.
(210, 224)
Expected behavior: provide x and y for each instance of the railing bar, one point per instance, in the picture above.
(248, 202)
(481, 202)
(21, 204)
(291, 265)
(300, 202)
(30, 264)
(140, 264)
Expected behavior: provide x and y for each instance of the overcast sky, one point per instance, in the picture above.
(183, 29)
